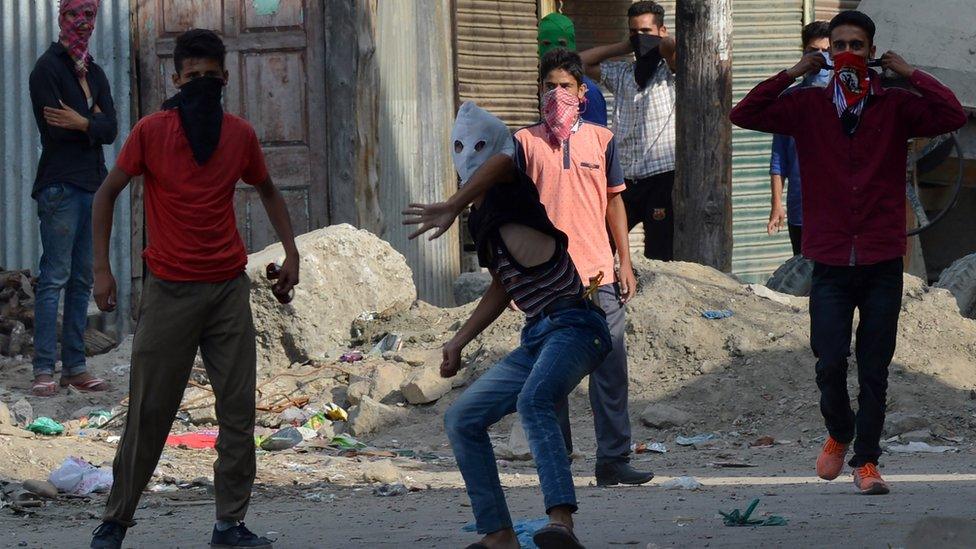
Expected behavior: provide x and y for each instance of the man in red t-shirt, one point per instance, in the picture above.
(195, 295)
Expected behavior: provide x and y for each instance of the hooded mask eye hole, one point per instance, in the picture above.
(479, 145)
(458, 147)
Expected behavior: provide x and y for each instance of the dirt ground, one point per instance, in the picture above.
(741, 378)
(819, 514)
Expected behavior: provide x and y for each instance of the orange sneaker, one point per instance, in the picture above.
(868, 480)
(831, 460)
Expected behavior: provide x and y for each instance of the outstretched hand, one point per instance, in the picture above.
(439, 216)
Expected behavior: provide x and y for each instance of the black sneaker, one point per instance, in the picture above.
(620, 472)
(238, 537)
(108, 535)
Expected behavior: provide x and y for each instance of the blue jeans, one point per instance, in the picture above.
(556, 352)
(65, 212)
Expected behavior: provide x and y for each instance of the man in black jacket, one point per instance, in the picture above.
(75, 116)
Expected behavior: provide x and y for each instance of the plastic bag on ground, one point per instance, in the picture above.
(45, 426)
(77, 476)
(682, 483)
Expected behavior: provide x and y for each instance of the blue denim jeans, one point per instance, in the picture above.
(556, 352)
(66, 264)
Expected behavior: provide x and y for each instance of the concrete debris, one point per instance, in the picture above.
(22, 412)
(382, 471)
(469, 287)
(370, 415)
(344, 273)
(425, 386)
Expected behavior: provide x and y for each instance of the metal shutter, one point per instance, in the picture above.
(497, 58)
(827, 9)
(766, 39)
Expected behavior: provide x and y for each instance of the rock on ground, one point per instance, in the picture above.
(345, 273)
(425, 385)
(663, 416)
(370, 415)
(381, 471)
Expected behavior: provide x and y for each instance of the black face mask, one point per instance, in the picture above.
(201, 114)
(648, 52)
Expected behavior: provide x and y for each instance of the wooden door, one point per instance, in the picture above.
(275, 58)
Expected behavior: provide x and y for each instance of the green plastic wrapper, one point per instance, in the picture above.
(45, 426)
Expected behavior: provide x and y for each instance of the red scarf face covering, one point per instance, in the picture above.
(851, 72)
(559, 112)
(76, 33)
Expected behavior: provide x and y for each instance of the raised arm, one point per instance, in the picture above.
(935, 111)
(441, 215)
(594, 56)
(766, 109)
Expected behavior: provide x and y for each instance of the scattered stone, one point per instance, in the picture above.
(345, 272)
(381, 471)
(387, 379)
(357, 390)
(327, 431)
(42, 488)
(370, 415)
(517, 447)
(413, 357)
(663, 416)
(23, 412)
(898, 423)
(921, 435)
(425, 386)
(5, 415)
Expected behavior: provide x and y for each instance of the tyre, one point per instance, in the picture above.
(793, 277)
(960, 279)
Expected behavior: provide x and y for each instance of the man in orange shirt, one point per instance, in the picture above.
(574, 165)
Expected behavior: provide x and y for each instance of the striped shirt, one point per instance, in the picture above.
(535, 288)
(643, 120)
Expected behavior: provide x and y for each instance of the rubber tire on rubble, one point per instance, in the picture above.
(960, 279)
(793, 277)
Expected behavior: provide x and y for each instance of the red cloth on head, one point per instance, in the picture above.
(76, 33)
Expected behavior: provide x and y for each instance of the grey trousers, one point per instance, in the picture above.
(608, 388)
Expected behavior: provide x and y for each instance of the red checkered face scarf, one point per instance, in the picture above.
(76, 33)
(560, 109)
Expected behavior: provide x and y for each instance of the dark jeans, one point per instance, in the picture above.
(796, 238)
(65, 213)
(875, 290)
(648, 201)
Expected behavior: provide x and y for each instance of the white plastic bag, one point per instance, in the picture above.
(77, 476)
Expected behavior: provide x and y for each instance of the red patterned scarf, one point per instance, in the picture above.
(560, 109)
(76, 30)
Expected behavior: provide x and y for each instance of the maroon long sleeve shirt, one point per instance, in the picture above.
(853, 186)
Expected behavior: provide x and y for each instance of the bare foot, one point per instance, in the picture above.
(502, 539)
(85, 382)
(561, 515)
(44, 386)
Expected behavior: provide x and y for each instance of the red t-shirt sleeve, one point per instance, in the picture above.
(255, 171)
(131, 159)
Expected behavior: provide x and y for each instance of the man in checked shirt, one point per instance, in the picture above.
(643, 121)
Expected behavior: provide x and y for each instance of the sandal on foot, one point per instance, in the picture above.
(92, 385)
(44, 388)
(556, 536)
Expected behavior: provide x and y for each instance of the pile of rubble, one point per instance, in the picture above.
(16, 312)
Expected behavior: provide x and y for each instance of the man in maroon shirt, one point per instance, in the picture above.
(851, 141)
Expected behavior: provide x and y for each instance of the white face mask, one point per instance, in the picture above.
(477, 136)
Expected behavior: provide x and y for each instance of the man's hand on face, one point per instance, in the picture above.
(810, 63)
(894, 62)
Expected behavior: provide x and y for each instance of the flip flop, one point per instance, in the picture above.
(556, 536)
(44, 388)
(92, 385)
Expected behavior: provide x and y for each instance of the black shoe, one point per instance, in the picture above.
(108, 535)
(239, 537)
(620, 472)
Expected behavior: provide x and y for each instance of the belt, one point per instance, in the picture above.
(566, 303)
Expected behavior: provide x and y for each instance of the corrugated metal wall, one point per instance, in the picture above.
(27, 28)
(766, 39)
(413, 52)
(497, 57)
(826, 9)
